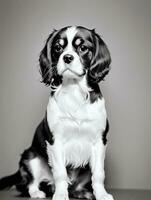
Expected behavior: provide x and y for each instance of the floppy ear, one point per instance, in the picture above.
(100, 64)
(46, 68)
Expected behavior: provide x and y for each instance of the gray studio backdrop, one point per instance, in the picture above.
(126, 28)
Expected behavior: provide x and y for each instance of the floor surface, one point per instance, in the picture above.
(118, 195)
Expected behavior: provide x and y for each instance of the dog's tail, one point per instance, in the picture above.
(9, 181)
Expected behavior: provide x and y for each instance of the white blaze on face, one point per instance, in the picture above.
(70, 33)
(74, 69)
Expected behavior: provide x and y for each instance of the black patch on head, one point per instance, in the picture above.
(97, 59)
(104, 136)
(83, 45)
(49, 57)
(58, 45)
(93, 52)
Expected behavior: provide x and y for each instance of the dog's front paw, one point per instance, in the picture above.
(59, 196)
(105, 196)
(38, 194)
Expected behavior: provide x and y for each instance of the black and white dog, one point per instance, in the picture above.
(66, 158)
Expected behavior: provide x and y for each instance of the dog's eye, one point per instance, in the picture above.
(83, 48)
(58, 48)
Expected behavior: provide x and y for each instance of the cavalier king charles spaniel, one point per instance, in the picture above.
(66, 157)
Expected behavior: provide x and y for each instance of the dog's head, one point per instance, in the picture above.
(71, 53)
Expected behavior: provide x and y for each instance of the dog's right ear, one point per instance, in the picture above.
(46, 68)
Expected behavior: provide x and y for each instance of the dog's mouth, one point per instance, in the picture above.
(73, 72)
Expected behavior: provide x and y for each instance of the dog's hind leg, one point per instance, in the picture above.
(40, 172)
(80, 187)
(34, 191)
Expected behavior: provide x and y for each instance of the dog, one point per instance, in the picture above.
(66, 157)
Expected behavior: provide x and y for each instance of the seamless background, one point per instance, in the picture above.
(126, 28)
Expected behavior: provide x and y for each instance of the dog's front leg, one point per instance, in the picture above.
(57, 163)
(97, 169)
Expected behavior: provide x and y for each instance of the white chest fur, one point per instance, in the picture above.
(76, 122)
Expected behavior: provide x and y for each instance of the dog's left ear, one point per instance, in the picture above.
(100, 64)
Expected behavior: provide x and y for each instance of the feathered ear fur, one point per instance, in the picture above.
(100, 64)
(46, 69)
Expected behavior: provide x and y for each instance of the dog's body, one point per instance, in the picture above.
(68, 149)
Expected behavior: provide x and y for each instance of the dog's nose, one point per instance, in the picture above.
(68, 58)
